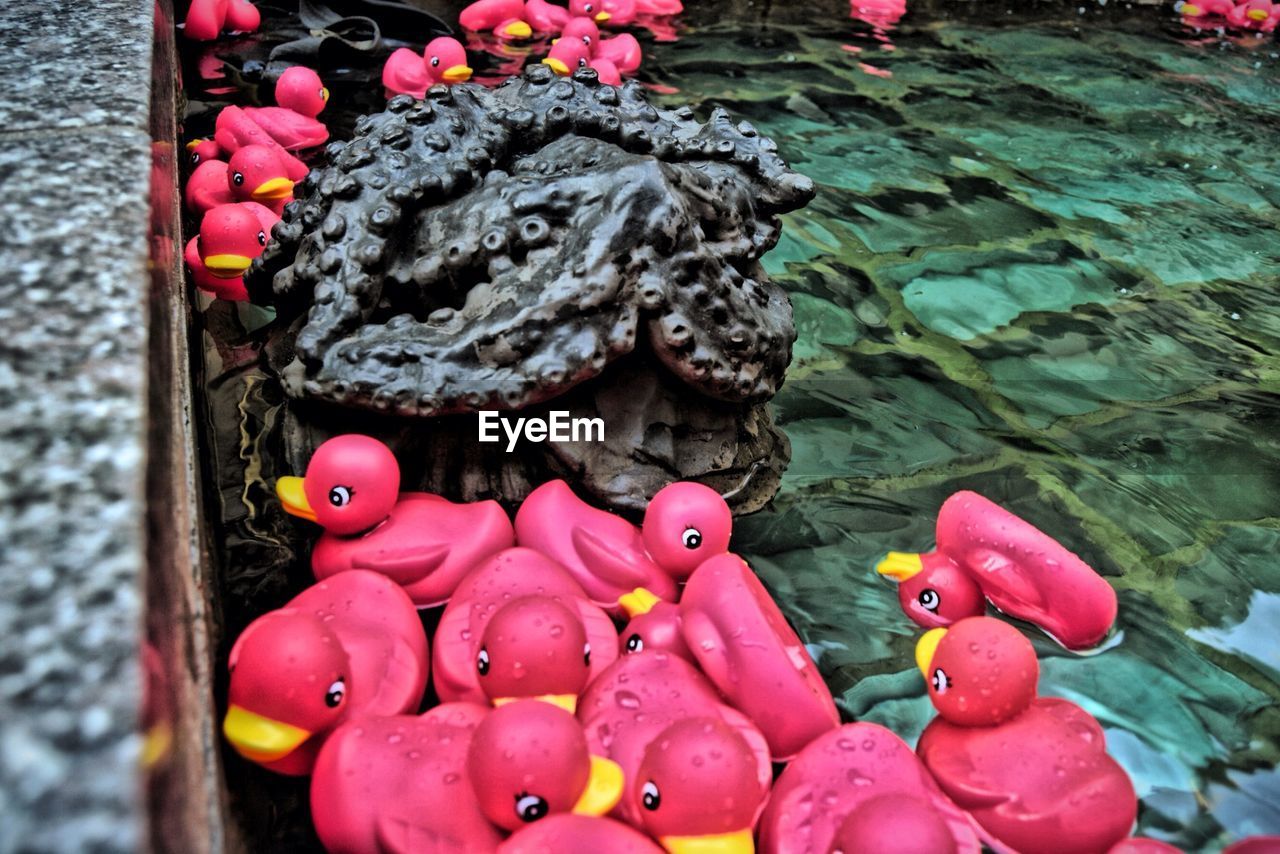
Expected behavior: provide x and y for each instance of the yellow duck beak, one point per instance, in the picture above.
(1256, 15)
(293, 496)
(638, 602)
(456, 74)
(557, 66)
(273, 190)
(227, 266)
(568, 702)
(601, 17)
(604, 788)
(191, 145)
(1190, 10)
(900, 566)
(260, 739)
(517, 30)
(324, 94)
(926, 647)
(719, 843)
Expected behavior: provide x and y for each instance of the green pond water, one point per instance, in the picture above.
(1043, 265)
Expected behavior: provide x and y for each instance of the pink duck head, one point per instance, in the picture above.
(534, 647)
(446, 61)
(685, 524)
(351, 485)
(616, 13)
(655, 625)
(932, 590)
(529, 759)
(698, 788)
(200, 150)
(231, 236)
(300, 89)
(255, 173)
(583, 29)
(980, 672)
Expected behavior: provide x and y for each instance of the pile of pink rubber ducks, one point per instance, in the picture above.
(604, 686)
(580, 43)
(242, 178)
(1260, 16)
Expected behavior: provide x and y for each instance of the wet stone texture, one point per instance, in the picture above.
(551, 244)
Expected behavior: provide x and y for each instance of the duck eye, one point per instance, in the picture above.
(262, 238)
(928, 600)
(941, 681)
(588, 8)
(692, 538)
(650, 796)
(482, 662)
(435, 61)
(586, 654)
(586, 40)
(340, 496)
(336, 692)
(530, 807)
(582, 63)
(237, 178)
(635, 643)
(195, 158)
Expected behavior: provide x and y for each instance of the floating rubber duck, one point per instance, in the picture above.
(1198, 12)
(578, 833)
(743, 643)
(621, 12)
(200, 150)
(1259, 15)
(514, 20)
(567, 57)
(230, 237)
(349, 646)
(207, 19)
(986, 551)
(637, 697)
(398, 784)
(860, 789)
(534, 648)
(528, 760)
(878, 13)
(208, 187)
(233, 129)
(698, 788)
(604, 553)
(293, 123)
(255, 174)
(409, 73)
(423, 542)
(504, 577)
(623, 50)
(1033, 772)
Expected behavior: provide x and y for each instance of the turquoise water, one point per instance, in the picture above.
(1042, 264)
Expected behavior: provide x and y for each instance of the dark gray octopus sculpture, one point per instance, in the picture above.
(499, 249)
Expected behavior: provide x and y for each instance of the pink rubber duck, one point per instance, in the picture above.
(207, 19)
(567, 57)
(528, 760)
(409, 73)
(293, 122)
(1033, 772)
(1200, 12)
(684, 525)
(230, 237)
(1259, 15)
(399, 784)
(535, 648)
(878, 13)
(200, 150)
(508, 576)
(207, 187)
(627, 707)
(698, 788)
(743, 643)
(514, 19)
(655, 625)
(860, 789)
(423, 542)
(1254, 845)
(566, 832)
(621, 12)
(255, 174)
(233, 129)
(623, 50)
(986, 551)
(349, 646)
